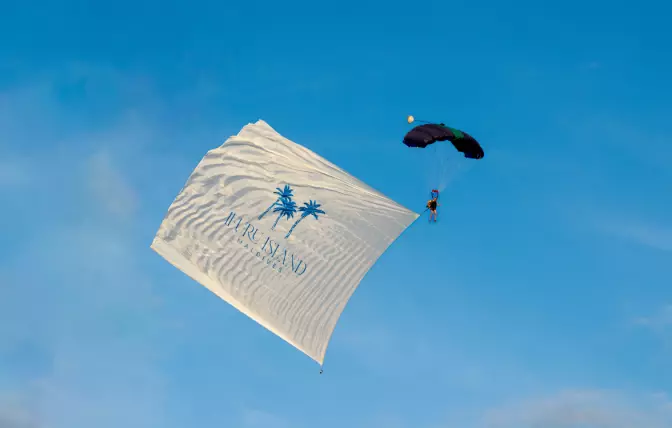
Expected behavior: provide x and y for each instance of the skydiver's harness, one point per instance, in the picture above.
(431, 205)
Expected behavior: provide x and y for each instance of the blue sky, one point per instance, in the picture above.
(541, 298)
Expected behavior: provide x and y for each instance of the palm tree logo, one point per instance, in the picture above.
(309, 208)
(286, 208)
(284, 196)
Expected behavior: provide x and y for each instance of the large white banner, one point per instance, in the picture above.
(280, 233)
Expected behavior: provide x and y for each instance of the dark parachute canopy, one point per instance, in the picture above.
(429, 133)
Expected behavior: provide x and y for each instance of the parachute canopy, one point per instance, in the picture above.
(280, 233)
(423, 135)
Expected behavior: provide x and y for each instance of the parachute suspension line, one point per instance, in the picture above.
(450, 166)
(442, 171)
(437, 170)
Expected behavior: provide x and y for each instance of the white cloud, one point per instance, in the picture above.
(90, 313)
(388, 419)
(109, 187)
(13, 172)
(79, 315)
(109, 384)
(619, 222)
(585, 409)
(254, 418)
(15, 413)
(82, 329)
(616, 135)
(660, 320)
(643, 233)
(659, 324)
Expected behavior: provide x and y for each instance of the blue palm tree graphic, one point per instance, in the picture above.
(286, 208)
(309, 208)
(283, 195)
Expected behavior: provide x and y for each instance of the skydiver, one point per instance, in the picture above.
(431, 205)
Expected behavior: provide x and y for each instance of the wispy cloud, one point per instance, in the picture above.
(13, 172)
(624, 223)
(648, 234)
(389, 419)
(109, 187)
(84, 332)
(584, 408)
(407, 351)
(660, 320)
(16, 413)
(79, 340)
(255, 418)
(615, 136)
(659, 323)
(88, 317)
